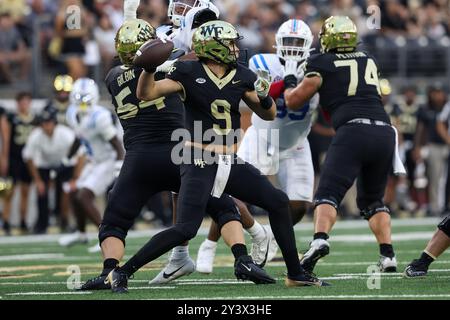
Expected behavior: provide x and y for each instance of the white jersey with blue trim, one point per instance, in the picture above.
(293, 126)
(95, 127)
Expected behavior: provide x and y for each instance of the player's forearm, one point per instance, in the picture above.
(267, 114)
(33, 171)
(443, 132)
(117, 147)
(146, 89)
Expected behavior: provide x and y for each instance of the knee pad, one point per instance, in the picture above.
(444, 226)
(373, 209)
(225, 216)
(329, 200)
(106, 231)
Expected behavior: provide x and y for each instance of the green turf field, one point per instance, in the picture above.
(34, 268)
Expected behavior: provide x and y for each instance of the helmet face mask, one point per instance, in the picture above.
(85, 94)
(339, 34)
(178, 9)
(217, 40)
(293, 40)
(130, 37)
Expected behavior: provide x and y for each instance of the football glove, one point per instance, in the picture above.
(290, 68)
(166, 66)
(262, 83)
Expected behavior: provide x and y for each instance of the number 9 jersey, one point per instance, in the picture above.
(293, 126)
(350, 87)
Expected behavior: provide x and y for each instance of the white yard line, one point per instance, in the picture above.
(36, 293)
(36, 256)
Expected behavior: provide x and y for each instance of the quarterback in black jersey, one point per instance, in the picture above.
(147, 170)
(212, 88)
(364, 145)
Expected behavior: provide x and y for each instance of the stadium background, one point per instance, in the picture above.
(412, 47)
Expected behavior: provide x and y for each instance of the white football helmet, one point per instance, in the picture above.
(178, 8)
(84, 94)
(293, 40)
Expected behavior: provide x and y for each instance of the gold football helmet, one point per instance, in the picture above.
(130, 37)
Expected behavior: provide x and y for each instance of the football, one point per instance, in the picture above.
(153, 53)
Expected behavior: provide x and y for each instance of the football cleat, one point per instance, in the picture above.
(319, 248)
(97, 283)
(205, 257)
(174, 270)
(246, 269)
(416, 269)
(387, 264)
(118, 281)
(304, 279)
(260, 247)
(73, 238)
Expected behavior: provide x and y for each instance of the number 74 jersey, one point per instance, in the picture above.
(293, 126)
(350, 87)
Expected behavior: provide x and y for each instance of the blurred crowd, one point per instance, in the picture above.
(91, 42)
(422, 120)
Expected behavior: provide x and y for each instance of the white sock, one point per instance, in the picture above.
(179, 253)
(129, 9)
(256, 231)
(210, 243)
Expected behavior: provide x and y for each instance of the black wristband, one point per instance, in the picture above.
(290, 81)
(266, 103)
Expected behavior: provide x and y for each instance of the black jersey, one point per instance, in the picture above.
(211, 102)
(143, 122)
(350, 88)
(21, 127)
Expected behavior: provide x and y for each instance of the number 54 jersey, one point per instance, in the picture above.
(293, 126)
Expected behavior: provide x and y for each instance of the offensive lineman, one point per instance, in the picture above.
(289, 158)
(365, 145)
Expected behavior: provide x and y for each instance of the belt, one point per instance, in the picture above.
(369, 121)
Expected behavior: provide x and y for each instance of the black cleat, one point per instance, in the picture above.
(246, 269)
(319, 248)
(118, 281)
(304, 279)
(416, 269)
(97, 283)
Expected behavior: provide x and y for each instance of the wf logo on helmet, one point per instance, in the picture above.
(212, 29)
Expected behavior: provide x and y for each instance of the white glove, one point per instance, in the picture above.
(166, 66)
(262, 84)
(290, 68)
(117, 166)
(301, 71)
(129, 9)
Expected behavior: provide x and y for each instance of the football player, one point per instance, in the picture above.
(289, 156)
(147, 170)
(20, 126)
(94, 126)
(437, 245)
(212, 88)
(365, 144)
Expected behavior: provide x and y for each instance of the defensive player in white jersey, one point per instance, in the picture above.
(280, 147)
(95, 127)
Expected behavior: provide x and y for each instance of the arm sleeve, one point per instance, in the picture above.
(313, 67)
(179, 73)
